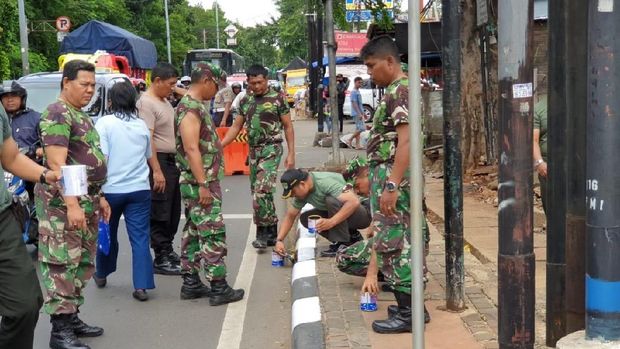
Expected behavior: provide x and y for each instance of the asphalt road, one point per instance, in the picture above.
(261, 320)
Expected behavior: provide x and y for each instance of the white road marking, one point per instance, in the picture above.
(232, 327)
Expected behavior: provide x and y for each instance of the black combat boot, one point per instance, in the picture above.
(393, 309)
(221, 293)
(62, 336)
(272, 235)
(261, 238)
(401, 322)
(81, 329)
(194, 288)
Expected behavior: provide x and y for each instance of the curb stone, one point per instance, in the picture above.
(306, 323)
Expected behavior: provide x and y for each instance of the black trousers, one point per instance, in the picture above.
(165, 207)
(360, 219)
(20, 294)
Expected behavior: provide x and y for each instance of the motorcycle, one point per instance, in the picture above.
(23, 208)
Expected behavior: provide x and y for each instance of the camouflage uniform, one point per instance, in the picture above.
(392, 234)
(354, 259)
(66, 255)
(204, 234)
(262, 116)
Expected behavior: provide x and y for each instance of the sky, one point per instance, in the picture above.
(250, 12)
(247, 12)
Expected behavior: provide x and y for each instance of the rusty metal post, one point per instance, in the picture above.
(556, 173)
(576, 34)
(516, 262)
(453, 168)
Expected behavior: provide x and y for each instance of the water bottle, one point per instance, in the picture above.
(276, 260)
(368, 302)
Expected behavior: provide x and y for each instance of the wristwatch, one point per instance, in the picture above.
(538, 162)
(390, 186)
(42, 179)
(205, 184)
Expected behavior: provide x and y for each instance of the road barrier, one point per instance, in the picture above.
(236, 153)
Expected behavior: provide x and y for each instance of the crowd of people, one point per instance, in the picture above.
(147, 158)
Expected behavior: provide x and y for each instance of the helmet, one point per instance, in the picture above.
(236, 85)
(16, 89)
(186, 79)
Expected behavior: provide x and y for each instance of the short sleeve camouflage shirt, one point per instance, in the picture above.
(392, 111)
(210, 146)
(262, 115)
(66, 126)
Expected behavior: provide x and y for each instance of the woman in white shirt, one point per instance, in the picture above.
(125, 140)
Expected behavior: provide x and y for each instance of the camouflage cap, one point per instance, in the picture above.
(353, 168)
(212, 71)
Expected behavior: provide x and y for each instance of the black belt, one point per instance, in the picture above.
(166, 156)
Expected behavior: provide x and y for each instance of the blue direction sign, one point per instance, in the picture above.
(363, 15)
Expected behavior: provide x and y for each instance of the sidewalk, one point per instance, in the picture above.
(348, 327)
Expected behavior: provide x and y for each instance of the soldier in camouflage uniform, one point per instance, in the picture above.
(388, 157)
(68, 225)
(265, 114)
(199, 158)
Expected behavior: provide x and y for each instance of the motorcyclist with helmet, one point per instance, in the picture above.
(24, 121)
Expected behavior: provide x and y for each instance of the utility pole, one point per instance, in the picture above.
(167, 31)
(453, 167)
(320, 69)
(416, 177)
(516, 262)
(576, 34)
(23, 37)
(555, 195)
(217, 23)
(602, 180)
(333, 101)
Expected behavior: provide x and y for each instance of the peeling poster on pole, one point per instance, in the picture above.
(522, 90)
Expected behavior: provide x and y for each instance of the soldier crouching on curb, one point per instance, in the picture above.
(354, 260)
(340, 209)
(200, 160)
(68, 225)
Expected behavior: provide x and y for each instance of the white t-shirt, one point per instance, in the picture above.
(127, 145)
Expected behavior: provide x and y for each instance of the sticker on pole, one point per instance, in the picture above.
(522, 90)
(605, 5)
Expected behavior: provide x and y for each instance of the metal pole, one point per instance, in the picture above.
(23, 37)
(576, 34)
(167, 31)
(320, 70)
(453, 168)
(556, 174)
(602, 180)
(417, 179)
(516, 262)
(333, 101)
(217, 23)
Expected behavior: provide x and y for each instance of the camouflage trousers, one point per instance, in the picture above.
(264, 162)
(204, 234)
(392, 241)
(66, 255)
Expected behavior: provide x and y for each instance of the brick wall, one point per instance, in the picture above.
(541, 60)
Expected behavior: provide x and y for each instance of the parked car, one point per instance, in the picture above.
(44, 88)
(370, 99)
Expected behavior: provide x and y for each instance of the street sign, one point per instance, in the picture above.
(60, 36)
(349, 44)
(363, 16)
(231, 31)
(231, 41)
(63, 24)
(352, 5)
